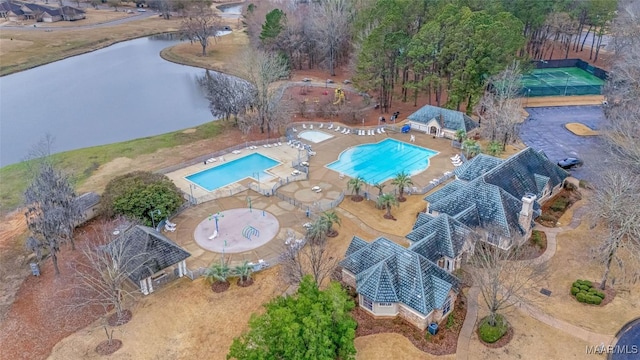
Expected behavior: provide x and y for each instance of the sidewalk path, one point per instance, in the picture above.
(469, 325)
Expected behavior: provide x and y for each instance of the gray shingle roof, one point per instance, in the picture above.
(387, 272)
(158, 252)
(355, 245)
(87, 200)
(448, 119)
(445, 191)
(477, 166)
(442, 236)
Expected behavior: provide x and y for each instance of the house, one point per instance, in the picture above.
(152, 258)
(441, 122)
(89, 206)
(14, 11)
(501, 196)
(394, 281)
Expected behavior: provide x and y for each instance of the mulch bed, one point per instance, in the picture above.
(104, 348)
(358, 198)
(549, 217)
(609, 294)
(443, 343)
(245, 283)
(530, 250)
(504, 340)
(220, 286)
(113, 319)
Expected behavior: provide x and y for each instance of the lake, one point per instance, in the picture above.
(122, 92)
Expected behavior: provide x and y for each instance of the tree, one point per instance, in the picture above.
(332, 24)
(617, 214)
(401, 181)
(311, 324)
(227, 95)
(243, 271)
(386, 201)
(471, 147)
(51, 211)
(262, 69)
(141, 195)
(218, 275)
(114, 4)
(309, 257)
(500, 107)
(355, 185)
(380, 188)
(502, 278)
(274, 24)
(494, 148)
(461, 135)
(200, 23)
(331, 218)
(104, 269)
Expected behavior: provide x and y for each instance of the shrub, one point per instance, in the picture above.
(574, 290)
(569, 186)
(585, 282)
(491, 334)
(599, 294)
(581, 297)
(450, 321)
(596, 300)
(584, 287)
(559, 204)
(584, 184)
(537, 238)
(548, 218)
(576, 284)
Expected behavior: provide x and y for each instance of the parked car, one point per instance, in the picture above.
(570, 163)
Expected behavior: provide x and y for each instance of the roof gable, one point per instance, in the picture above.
(477, 166)
(448, 119)
(148, 252)
(355, 245)
(443, 236)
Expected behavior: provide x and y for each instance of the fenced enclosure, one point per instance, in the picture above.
(563, 78)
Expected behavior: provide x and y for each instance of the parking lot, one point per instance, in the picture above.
(545, 130)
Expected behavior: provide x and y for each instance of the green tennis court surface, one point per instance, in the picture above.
(561, 81)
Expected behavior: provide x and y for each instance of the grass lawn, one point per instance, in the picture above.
(34, 48)
(83, 162)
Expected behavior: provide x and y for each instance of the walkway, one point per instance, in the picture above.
(462, 351)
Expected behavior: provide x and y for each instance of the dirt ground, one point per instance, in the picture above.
(391, 347)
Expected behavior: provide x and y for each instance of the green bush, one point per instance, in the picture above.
(491, 334)
(450, 321)
(597, 300)
(547, 217)
(576, 284)
(581, 297)
(584, 287)
(599, 294)
(574, 290)
(585, 282)
(559, 204)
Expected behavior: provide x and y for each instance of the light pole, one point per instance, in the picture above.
(191, 186)
(153, 220)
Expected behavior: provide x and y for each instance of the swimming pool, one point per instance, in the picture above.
(249, 166)
(314, 136)
(379, 162)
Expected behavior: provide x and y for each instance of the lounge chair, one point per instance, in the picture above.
(304, 126)
(341, 176)
(311, 126)
(457, 164)
(304, 163)
(279, 143)
(330, 126)
(315, 188)
(382, 130)
(378, 130)
(169, 228)
(317, 191)
(456, 157)
(345, 131)
(372, 133)
(295, 173)
(312, 153)
(321, 126)
(221, 158)
(447, 173)
(295, 130)
(348, 132)
(337, 129)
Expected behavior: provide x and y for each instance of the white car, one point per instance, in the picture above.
(142, 10)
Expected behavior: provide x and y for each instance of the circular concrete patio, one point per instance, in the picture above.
(239, 230)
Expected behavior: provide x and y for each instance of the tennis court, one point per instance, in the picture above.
(564, 81)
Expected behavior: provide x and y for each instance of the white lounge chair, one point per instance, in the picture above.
(348, 132)
(378, 130)
(457, 164)
(170, 223)
(372, 132)
(341, 176)
(169, 228)
(317, 191)
(315, 188)
(321, 126)
(295, 173)
(345, 131)
(456, 157)
(279, 143)
(382, 130)
(221, 158)
(337, 129)
(311, 126)
(312, 153)
(295, 130)
(330, 126)
(304, 126)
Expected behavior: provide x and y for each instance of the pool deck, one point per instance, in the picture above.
(291, 218)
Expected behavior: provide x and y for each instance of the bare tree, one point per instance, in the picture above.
(262, 69)
(200, 23)
(52, 211)
(503, 279)
(102, 274)
(333, 19)
(227, 95)
(308, 256)
(616, 212)
(500, 107)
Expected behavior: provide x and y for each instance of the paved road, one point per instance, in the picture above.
(544, 130)
(628, 345)
(43, 26)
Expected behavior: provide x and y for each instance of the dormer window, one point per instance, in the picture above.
(441, 262)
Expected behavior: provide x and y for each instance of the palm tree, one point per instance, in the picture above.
(386, 201)
(317, 232)
(218, 274)
(401, 181)
(243, 272)
(461, 135)
(331, 218)
(355, 184)
(494, 148)
(380, 187)
(471, 147)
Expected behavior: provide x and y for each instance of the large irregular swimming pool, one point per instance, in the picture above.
(251, 166)
(379, 162)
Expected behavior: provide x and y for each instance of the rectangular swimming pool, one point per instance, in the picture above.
(315, 136)
(222, 175)
(379, 162)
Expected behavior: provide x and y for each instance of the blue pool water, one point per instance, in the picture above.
(233, 171)
(379, 162)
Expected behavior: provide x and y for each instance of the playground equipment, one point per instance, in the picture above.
(339, 96)
(250, 231)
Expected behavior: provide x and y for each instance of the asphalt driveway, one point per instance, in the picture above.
(544, 130)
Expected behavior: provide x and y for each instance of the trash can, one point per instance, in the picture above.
(433, 328)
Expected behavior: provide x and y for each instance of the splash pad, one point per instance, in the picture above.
(237, 230)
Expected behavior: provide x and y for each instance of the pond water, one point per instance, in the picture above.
(231, 11)
(122, 92)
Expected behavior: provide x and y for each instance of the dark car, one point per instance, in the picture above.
(569, 163)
